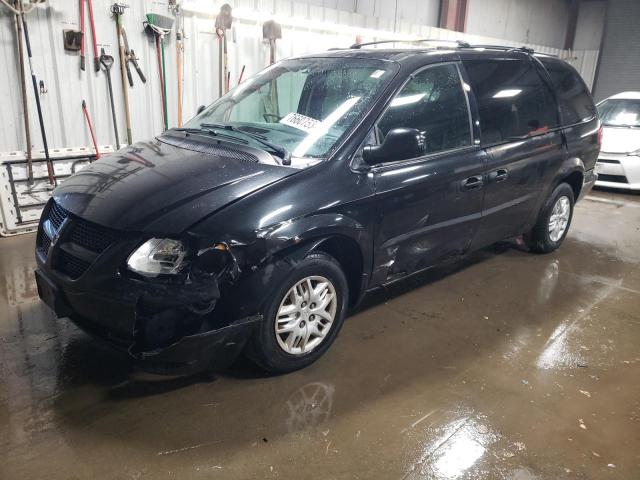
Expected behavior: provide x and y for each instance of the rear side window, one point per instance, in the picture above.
(576, 104)
(513, 100)
(434, 103)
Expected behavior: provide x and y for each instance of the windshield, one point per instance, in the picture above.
(622, 112)
(304, 105)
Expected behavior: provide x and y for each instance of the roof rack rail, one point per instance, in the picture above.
(503, 47)
(459, 43)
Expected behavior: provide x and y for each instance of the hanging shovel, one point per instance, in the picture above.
(107, 62)
(271, 31)
(223, 23)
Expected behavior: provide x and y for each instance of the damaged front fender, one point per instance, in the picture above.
(214, 349)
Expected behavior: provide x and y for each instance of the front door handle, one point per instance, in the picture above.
(472, 183)
(499, 175)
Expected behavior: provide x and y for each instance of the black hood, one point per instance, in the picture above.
(164, 186)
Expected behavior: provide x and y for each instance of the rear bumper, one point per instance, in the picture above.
(618, 171)
(118, 320)
(590, 179)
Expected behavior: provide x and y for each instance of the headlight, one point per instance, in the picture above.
(158, 256)
(634, 154)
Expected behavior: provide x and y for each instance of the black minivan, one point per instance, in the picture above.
(256, 226)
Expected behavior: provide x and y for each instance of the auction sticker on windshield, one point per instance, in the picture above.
(299, 121)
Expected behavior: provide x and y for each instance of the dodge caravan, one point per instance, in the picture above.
(255, 227)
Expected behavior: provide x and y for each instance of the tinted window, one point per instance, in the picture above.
(433, 102)
(512, 98)
(576, 104)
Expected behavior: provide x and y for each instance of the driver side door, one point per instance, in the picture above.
(428, 207)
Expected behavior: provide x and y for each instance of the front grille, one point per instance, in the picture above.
(57, 214)
(71, 266)
(612, 178)
(88, 235)
(43, 242)
(91, 236)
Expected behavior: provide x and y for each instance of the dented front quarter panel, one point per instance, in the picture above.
(269, 230)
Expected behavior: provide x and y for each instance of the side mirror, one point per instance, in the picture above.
(200, 109)
(399, 144)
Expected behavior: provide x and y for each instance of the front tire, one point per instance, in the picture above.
(303, 316)
(553, 222)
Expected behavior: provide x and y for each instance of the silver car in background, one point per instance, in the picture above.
(619, 161)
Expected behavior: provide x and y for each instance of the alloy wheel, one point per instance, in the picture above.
(559, 218)
(305, 315)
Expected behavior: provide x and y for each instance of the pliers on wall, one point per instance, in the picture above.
(130, 57)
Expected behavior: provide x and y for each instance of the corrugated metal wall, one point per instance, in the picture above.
(306, 28)
(528, 21)
(619, 68)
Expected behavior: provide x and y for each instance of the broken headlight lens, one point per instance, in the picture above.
(158, 256)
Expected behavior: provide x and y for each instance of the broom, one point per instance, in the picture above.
(160, 26)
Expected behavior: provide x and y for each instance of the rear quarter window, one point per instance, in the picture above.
(576, 104)
(513, 99)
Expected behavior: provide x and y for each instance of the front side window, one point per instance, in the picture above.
(620, 112)
(305, 105)
(434, 103)
(576, 104)
(513, 100)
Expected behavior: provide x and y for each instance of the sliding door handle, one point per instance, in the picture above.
(472, 183)
(499, 175)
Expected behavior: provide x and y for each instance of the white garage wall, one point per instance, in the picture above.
(590, 25)
(312, 28)
(423, 12)
(619, 68)
(529, 21)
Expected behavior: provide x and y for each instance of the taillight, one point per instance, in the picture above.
(600, 130)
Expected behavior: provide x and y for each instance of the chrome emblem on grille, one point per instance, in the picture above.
(53, 233)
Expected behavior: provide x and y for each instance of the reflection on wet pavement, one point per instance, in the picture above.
(504, 366)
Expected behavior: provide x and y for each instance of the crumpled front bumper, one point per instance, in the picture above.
(115, 318)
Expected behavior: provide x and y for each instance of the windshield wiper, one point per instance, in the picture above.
(280, 151)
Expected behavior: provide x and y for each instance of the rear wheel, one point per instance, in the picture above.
(303, 317)
(553, 222)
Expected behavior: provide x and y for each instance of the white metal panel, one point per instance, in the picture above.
(523, 21)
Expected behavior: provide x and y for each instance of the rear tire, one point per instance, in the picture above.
(553, 222)
(297, 328)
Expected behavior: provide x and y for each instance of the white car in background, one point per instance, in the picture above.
(619, 161)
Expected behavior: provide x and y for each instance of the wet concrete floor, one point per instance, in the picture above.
(506, 365)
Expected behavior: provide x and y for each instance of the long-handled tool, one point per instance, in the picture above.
(107, 62)
(117, 9)
(160, 26)
(23, 93)
(271, 31)
(222, 24)
(92, 26)
(130, 56)
(25, 29)
(177, 11)
(89, 124)
(241, 74)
